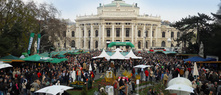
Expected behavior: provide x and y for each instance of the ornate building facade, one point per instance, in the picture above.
(120, 22)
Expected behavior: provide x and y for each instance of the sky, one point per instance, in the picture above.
(171, 10)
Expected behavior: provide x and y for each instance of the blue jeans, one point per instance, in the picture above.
(79, 78)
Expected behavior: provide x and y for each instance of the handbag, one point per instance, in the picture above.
(32, 89)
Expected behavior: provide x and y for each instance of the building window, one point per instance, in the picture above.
(163, 34)
(83, 33)
(139, 33)
(64, 45)
(72, 43)
(127, 32)
(82, 44)
(96, 44)
(152, 33)
(89, 44)
(163, 44)
(172, 34)
(139, 45)
(153, 43)
(146, 33)
(89, 33)
(178, 34)
(108, 32)
(118, 32)
(146, 44)
(96, 33)
(73, 34)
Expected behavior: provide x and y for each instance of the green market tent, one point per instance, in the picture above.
(121, 44)
(45, 54)
(37, 58)
(56, 60)
(60, 55)
(10, 57)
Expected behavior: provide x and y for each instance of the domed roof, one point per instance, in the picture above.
(116, 2)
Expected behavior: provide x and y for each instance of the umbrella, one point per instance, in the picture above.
(3, 65)
(142, 66)
(54, 89)
(195, 70)
(179, 80)
(180, 87)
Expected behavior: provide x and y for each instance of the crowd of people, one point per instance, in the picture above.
(28, 77)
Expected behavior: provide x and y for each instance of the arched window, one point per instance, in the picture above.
(178, 34)
(96, 33)
(89, 44)
(172, 34)
(83, 33)
(139, 33)
(89, 33)
(146, 44)
(163, 34)
(153, 43)
(96, 44)
(108, 32)
(146, 33)
(139, 45)
(118, 32)
(73, 34)
(152, 33)
(163, 44)
(72, 43)
(127, 32)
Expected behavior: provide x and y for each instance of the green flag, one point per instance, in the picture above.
(38, 43)
(30, 42)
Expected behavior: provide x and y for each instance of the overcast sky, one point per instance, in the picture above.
(171, 10)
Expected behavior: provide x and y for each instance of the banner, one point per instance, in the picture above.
(38, 42)
(30, 42)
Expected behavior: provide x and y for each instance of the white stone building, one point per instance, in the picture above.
(120, 22)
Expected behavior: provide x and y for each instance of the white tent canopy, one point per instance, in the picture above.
(54, 89)
(180, 80)
(132, 55)
(118, 49)
(142, 66)
(102, 55)
(180, 87)
(4, 65)
(118, 55)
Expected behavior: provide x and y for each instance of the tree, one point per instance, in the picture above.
(189, 25)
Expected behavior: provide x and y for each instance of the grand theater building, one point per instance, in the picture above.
(120, 22)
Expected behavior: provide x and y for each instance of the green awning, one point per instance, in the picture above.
(56, 60)
(121, 44)
(60, 55)
(45, 54)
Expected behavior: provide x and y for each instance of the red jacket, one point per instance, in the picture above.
(146, 73)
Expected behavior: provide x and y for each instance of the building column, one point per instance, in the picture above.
(156, 35)
(132, 36)
(103, 44)
(79, 37)
(122, 36)
(113, 33)
(92, 36)
(151, 37)
(85, 36)
(136, 37)
(144, 36)
(99, 34)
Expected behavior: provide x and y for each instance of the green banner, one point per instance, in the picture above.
(30, 42)
(38, 42)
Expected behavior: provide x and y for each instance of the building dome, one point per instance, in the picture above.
(118, 3)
